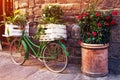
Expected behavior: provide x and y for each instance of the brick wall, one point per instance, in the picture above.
(71, 8)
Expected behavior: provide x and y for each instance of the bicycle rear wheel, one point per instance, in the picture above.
(17, 52)
(54, 57)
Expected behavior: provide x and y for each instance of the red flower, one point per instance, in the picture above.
(79, 42)
(107, 17)
(85, 14)
(113, 22)
(114, 13)
(79, 17)
(99, 24)
(98, 14)
(94, 33)
(107, 24)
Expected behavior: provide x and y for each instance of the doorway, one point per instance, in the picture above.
(6, 8)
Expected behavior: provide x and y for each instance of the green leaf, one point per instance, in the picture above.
(88, 40)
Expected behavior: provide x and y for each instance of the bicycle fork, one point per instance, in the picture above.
(64, 48)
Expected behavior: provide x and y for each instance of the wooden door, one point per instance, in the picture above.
(1, 18)
(6, 8)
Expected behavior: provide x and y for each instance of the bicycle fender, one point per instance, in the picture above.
(25, 46)
(64, 47)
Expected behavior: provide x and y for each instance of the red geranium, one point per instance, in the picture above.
(114, 13)
(95, 26)
(79, 17)
(113, 22)
(107, 24)
(99, 24)
(107, 17)
(98, 14)
(94, 33)
(85, 14)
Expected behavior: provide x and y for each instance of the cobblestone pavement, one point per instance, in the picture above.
(34, 70)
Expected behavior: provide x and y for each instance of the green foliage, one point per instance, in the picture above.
(17, 18)
(95, 25)
(52, 14)
(39, 31)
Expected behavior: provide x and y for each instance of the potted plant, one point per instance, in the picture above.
(15, 24)
(51, 27)
(95, 36)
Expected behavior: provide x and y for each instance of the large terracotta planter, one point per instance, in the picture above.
(95, 59)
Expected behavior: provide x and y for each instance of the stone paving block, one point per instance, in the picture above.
(66, 77)
(83, 77)
(22, 72)
(42, 75)
(10, 71)
(78, 77)
(72, 69)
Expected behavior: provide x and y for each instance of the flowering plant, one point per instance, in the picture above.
(17, 18)
(95, 25)
(52, 14)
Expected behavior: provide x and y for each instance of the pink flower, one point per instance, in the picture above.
(79, 17)
(94, 33)
(114, 13)
(113, 22)
(98, 14)
(99, 24)
(107, 17)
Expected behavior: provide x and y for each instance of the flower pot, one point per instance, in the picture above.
(94, 59)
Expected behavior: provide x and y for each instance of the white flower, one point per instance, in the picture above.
(50, 7)
(44, 15)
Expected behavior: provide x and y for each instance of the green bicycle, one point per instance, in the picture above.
(53, 54)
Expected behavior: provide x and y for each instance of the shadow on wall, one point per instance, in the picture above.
(114, 66)
(114, 48)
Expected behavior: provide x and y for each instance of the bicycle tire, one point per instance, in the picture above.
(54, 57)
(17, 52)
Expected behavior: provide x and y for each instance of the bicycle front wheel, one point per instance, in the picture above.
(54, 57)
(17, 52)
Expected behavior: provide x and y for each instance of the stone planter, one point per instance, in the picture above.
(94, 59)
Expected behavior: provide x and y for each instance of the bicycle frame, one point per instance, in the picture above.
(52, 53)
(27, 43)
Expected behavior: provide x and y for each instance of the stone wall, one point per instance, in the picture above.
(71, 8)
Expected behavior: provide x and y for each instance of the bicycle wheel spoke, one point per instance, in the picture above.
(17, 52)
(54, 57)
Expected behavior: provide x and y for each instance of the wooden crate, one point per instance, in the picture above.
(12, 30)
(53, 32)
